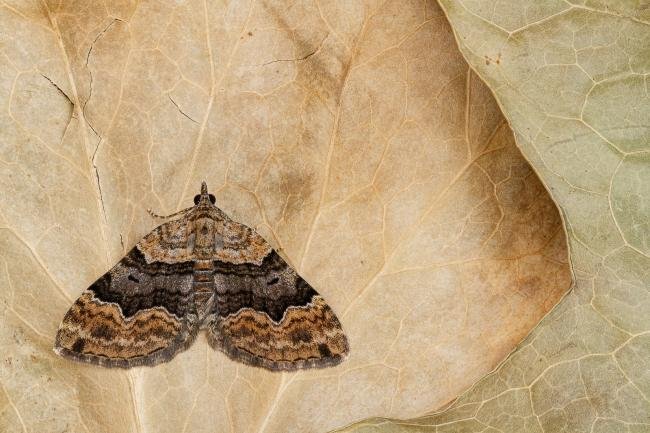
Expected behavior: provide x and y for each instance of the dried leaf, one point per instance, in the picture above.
(572, 80)
(353, 137)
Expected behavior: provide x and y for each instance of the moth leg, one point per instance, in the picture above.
(155, 215)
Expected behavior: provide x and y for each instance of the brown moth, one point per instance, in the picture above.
(202, 271)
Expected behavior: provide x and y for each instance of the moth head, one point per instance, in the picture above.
(204, 196)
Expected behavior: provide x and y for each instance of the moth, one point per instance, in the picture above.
(202, 271)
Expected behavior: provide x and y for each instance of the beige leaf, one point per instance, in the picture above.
(352, 136)
(572, 78)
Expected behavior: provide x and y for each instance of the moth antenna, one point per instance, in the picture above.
(155, 215)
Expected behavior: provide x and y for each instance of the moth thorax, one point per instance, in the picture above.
(202, 239)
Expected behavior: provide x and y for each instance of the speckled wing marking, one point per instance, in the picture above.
(202, 270)
(138, 313)
(266, 315)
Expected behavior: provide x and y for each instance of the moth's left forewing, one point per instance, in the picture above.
(140, 312)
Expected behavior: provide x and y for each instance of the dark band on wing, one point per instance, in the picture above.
(136, 259)
(135, 285)
(234, 301)
(271, 263)
(271, 288)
